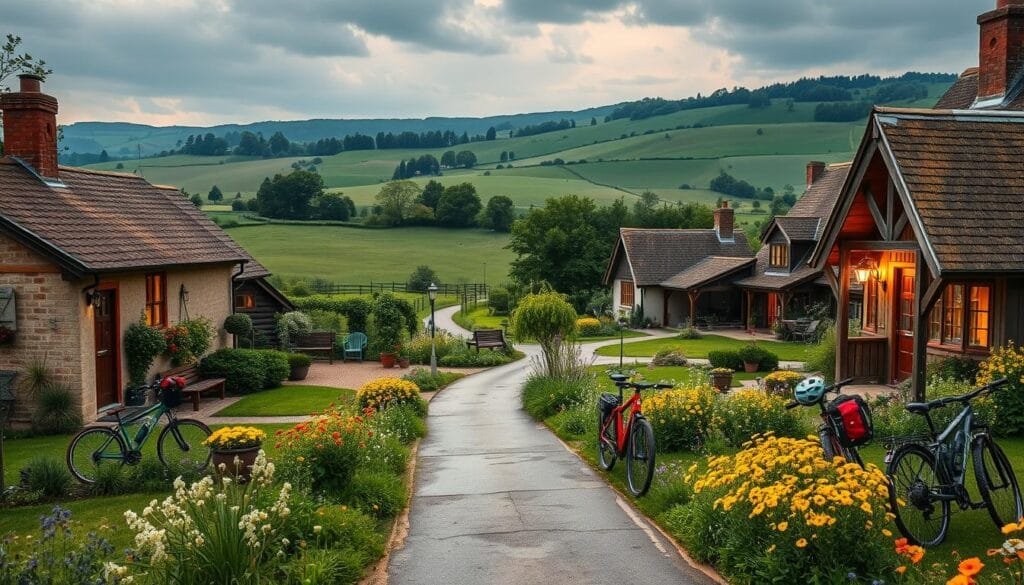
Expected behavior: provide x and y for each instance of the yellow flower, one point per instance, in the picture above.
(801, 543)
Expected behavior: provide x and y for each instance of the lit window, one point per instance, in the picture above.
(156, 299)
(978, 325)
(245, 301)
(962, 308)
(779, 256)
(626, 293)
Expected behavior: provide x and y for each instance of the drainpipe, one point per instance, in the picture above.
(231, 296)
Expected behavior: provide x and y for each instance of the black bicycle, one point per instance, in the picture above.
(927, 473)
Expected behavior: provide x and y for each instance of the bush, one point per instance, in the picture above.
(142, 344)
(689, 332)
(782, 383)
(421, 279)
(499, 300)
(381, 393)
(891, 418)
(113, 480)
(550, 319)
(725, 359)
(238, 205)
(466, 358)
(324, 451)
(544, 395)
(375, 493)
(752, 353)
(822, 357)
(418, 348)
(427, 383)
(246, 370)
(402, 421)
(683, 418)
(299, 360)
(57, 411)
(588, 327)
(746, 413)
(954, 368)
(576, 421)
(291, 325)
(778, 512)
(188, 341)
(47, 476)
(1006, 362)
(669, 356)
(238, 324)
(389, 323)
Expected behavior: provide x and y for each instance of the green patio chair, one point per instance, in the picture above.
(355, 344)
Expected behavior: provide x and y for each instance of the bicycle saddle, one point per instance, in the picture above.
(918, 407)
(617, 378)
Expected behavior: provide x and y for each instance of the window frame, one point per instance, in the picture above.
(244, 305)
(156, 309)
(782, 251)
(623, 295)
(871, 305)
(963, 316)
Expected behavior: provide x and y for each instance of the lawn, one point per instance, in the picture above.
(480, 318)
(292, 400)
(699, 348)
(359, 256)
(664, 375)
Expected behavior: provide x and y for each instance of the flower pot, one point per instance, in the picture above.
(241, 471)
(722, 381)
(387, 359)
(750, 367)
(403, 362)
(298, 373)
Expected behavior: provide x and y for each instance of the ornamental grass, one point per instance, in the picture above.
(778, 512)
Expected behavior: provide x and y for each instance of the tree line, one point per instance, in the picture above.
(428, 165)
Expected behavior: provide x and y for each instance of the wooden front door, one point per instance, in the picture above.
(105, 333)
(773, 309)
(904, 323)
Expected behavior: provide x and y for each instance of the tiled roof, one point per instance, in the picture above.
(965, 177)
(769, 281)
(799, 228)
(962, 93)
(659, 254)
(110, 221)
(254, 269)
(705, 271)
(820, 198)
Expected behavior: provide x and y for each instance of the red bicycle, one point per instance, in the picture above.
(629, 436)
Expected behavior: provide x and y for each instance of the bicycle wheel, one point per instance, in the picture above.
(93, 447)
(640, 457)
(605, 453)
(182, 447)
(829, 445)
(996, 482)
(913, 484)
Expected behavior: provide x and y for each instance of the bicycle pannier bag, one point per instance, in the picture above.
(608, 403)
(850, 418)
(171, 391)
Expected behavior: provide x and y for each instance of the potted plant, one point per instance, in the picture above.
(403, 357)
(233, 450)
(751, 355)
(299, 363)
(721, 378)
(778, 329)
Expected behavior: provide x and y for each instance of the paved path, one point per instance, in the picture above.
(498, 500)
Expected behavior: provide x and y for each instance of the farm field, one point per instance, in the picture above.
(358, 256)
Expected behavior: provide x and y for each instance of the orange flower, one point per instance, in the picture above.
(901, 569)
(915, 553)
(901, 546)
(971, 567)
(801, 543)
(960, 580)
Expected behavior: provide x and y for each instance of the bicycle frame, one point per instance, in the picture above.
(152, 415)
(945, 448)
(622, 425)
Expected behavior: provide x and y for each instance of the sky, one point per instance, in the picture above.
(207, 62)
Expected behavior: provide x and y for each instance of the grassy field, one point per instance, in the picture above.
(699, 348)
(362, 255)
(296, 400)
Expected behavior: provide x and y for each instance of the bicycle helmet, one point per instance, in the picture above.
(810, 390)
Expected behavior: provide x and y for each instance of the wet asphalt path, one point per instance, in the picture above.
(499, 500)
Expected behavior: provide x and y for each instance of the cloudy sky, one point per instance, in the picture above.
(213, 61)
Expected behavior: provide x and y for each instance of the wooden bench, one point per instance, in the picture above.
(195, 385)
(489, 338)
(317, 341)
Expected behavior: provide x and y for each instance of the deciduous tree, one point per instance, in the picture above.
(458, 206)
(396, 200)
(498, 214)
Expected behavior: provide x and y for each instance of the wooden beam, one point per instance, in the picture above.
(890, 206)
(693, 295)
(921, 278)
(750, 310)
(832, 280)
(931, 296)
(901, 224)
(875, 245)
(843, 313)
(29, 269)
(876, 214)
(784, 298)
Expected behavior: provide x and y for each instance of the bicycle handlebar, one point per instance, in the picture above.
(965, 398)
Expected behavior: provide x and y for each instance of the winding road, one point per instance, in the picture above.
(500, 500)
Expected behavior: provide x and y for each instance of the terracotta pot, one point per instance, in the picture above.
(246, 457)
(403, 362)
(387, 359)
(750, 367)
(299, 373)
(722, 381)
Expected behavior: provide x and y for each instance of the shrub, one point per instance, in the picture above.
(401, 421)
(299, 360)
(238, 205)
(246, 370)
(112, 480)
(669, 356)
(300, 289)
(746, 413)
(755, 354)
(954, 368)
(57, 411)
(324, 451)
(427, 383)
(725, 359)
(782, 382)
(376, 493)
(422, 278)
(499, 300)
(1006, 362)
(47, 476)
(683, 418)
(188, 341)
(238, 324)
(549, 318)
(577, 421)
(822, 357)
(891, 418)
(544, 395)
(466, 358)
(388, 324)
(381, 393)
(588, 327)
(778, 512)
(291, 325)
(689, 332)
(445, 343)
(142, 344)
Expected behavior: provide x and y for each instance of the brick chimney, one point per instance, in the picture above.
(30, 126)
(724, 221)
(815, 169)
(1001, 53)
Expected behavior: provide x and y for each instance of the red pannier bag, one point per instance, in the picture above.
(850, 418)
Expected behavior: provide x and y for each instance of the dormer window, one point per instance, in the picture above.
(778, 256)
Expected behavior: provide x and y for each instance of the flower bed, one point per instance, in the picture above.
(682, 418)
(380, 393)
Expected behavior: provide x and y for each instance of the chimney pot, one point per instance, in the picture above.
(724, 221)
(815, 169)
(30, 83)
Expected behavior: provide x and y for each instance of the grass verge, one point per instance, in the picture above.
(699, 348)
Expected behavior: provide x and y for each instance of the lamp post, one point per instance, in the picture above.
(622, 335)
(432, 293)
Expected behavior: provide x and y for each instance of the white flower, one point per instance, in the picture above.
(317, 529)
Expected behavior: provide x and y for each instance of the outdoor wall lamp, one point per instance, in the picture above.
(866, 269)
(93, 298)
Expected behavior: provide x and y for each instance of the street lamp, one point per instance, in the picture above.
(432, 293)
(622, 335)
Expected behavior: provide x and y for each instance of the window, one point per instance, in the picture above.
(156, 299)
(626, 293)
(779, 256)
(964, 309)
(245, 301)
(870, 305)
